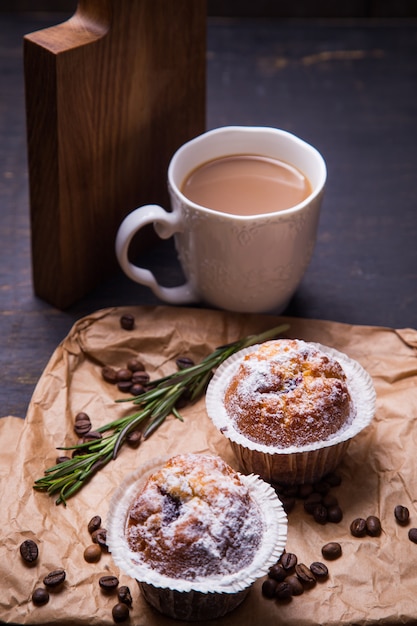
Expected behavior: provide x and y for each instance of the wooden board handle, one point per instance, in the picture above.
(110, 95)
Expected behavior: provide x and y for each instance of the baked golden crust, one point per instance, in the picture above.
(288, 393)
(194, 517)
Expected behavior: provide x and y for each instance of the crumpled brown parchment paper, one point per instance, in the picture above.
(372, 583)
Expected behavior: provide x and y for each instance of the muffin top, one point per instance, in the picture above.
(287, 392)
(194, 517)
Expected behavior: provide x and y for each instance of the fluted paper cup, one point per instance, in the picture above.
(295, 464)
(205, 597)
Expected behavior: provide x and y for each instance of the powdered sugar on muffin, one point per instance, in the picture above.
(194, 517)
(288, 393)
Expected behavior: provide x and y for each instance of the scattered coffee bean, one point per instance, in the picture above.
(124, 386)
(320, 514)
(358, 527)
(54, 578)
(120, 612)
(29, 551)
(269, 587)
(92, 554)
(322, 487)
(288, 560)
(297, 588)
(109, 374)
(412, 535)
(135, 365)
(373, 526)
(94, 524)
(319, 570)
(108, 583)
(40, 596)
(305, 574)
(329, 501)
(334, 514)
(183, 362)
(61, 459)
(100, 536)
(304, 491)
(92, 435)
(277, 572)
(402, 514)
(312, 501)
(331, 550)
(82, 424)
(124, 595)
(136, 389)
(140, 378)
(127, 321)
(283, 591)
(134, 438)
(124, 374)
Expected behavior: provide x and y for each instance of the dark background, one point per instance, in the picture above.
(342, 75)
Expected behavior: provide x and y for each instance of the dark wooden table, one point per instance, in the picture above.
(348, 87)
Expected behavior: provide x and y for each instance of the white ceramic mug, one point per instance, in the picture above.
(251, 263)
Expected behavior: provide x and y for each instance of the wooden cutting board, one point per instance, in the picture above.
(110, 95)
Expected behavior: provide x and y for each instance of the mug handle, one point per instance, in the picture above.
(166, 224)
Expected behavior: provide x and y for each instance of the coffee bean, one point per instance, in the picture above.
(305, 574)
(288, 560)
(124, 595)
(109, 374)
(140, 378)
(92, 435)
(61, 459)
(277, 572)
(124, 386)
(94, 524)
(92, 554)
(358, 527)
(82, 424)
(312, 501)
(334, 514)
(54, 578)
(320, 514)
(108, 583)
(304, 491)
(402, 514)
(412, 535)
(127, 321)
(134, 438)
(137, 389)
(319, 570)
(183, 362)
(40, 596)
(100, 536)
(329, 500)
(373, 526)
(297, 588)
(124, 374)
(120, 612)
(283, 591)
(269, 587)
(331, 550)
(29, 551)
(135, 365)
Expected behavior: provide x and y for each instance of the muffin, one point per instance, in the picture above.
(290, 408)
(195, 534)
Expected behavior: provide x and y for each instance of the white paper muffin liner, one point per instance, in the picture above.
(272, 545)
(293, 464)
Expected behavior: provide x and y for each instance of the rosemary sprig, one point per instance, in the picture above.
(154, 405)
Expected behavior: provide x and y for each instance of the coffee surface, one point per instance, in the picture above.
(246, 184)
